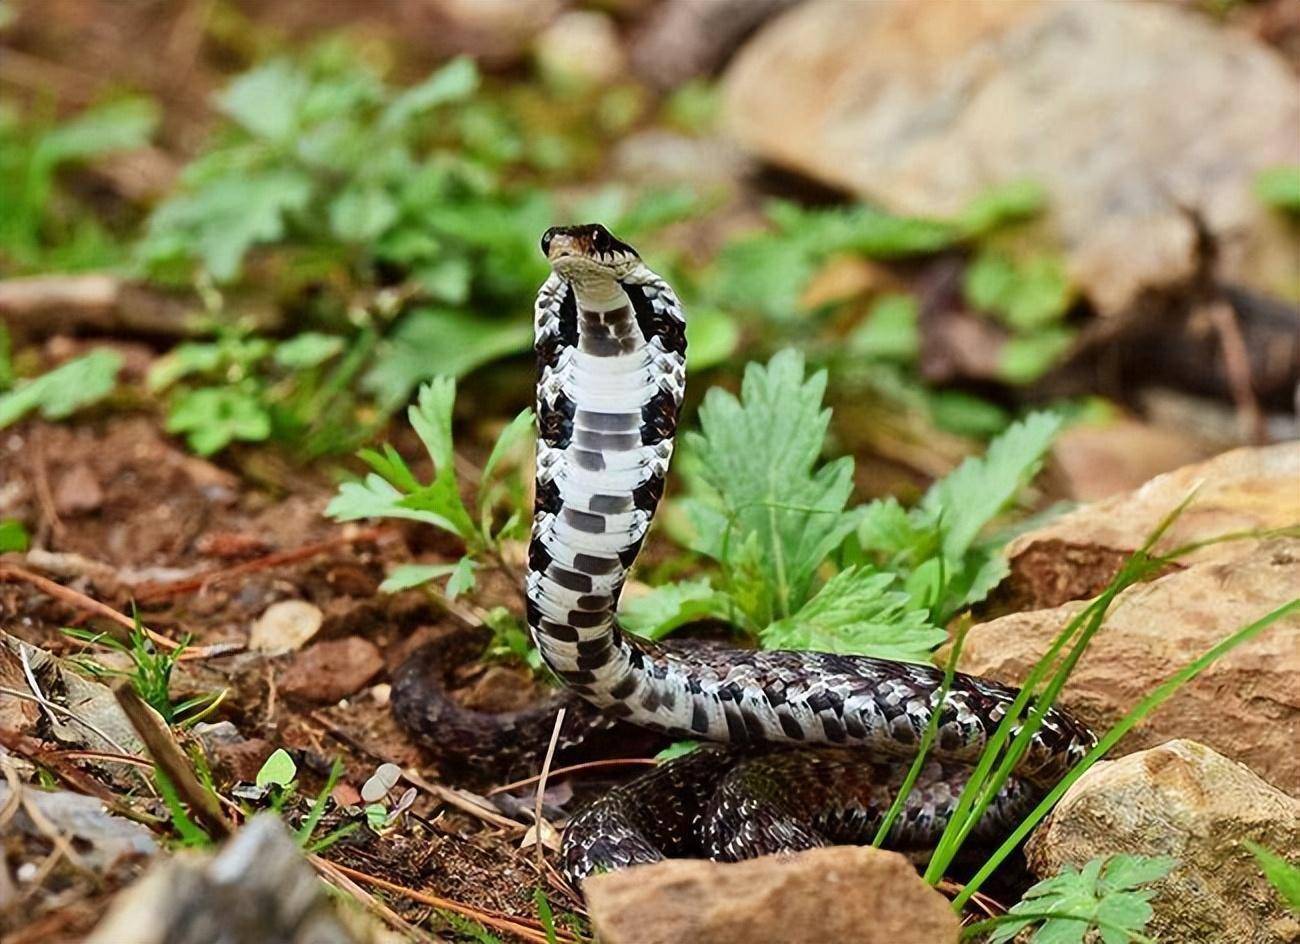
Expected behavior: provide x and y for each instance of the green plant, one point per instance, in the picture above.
(61, 392)
(150, 673)
(775, 521)
(1105, 896)
(13, 536)
(391, 490)
(1281, 874)
(1279, 187)
(278, 775)
(43, 227)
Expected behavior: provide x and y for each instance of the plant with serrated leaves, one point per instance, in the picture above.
(43, 227)
(391, 490)
(1106, 896)
(802, 569)
(62, 391)
(1281, 874)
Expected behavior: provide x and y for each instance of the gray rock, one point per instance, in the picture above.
(1128, 113)
(1181, 799)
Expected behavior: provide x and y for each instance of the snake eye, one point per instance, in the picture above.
(546, 241)
(600, 239)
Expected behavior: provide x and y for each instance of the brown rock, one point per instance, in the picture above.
(1246, 705)
(845, 894)
(1076, 555)
(921, 106)
(1100, 460)
(331, 670)
(77, 491)
(1181, 799)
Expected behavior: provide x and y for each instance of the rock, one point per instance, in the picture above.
(685, 39)
(257, 889)
(284, 627)
(101, 838)
(77, 491)
(1181, 799)
(1106, 104)
(331, 670)
(1074, 556)
(1099, 460)
(1246, 705)
(846, 894)
(581, 46)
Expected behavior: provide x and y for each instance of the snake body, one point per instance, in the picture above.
(808, 748)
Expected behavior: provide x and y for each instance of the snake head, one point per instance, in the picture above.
(588, 253)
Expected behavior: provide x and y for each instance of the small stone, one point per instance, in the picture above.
(1182, 799)
(329, 671)
(845, 894)
(78, 491)
(581, 46)
(284, 627)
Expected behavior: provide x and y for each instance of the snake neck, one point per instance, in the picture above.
(612, 373)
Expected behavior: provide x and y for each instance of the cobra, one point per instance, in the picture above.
(810, 746)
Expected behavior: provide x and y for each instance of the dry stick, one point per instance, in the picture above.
(150, 592)
(75, 598)
(1236, 365)
(501, 923)
(576, 768)
(331, 873)
(170, 759)
(18, 743)
(538, 822)
(448, 796)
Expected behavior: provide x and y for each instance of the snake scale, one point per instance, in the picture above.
(807, 748)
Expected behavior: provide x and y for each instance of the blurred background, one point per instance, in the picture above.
(280, 218)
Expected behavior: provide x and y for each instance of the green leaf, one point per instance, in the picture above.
(1027, 296)
(756, 457)
(406, 576)
(64, 390)
(712, 336)
(443, 341)
(446, 279)
(13, 536)
(430, 417)
(278, 770)
(123, 125)
(889, 332)
(376, 498)
(213, 417)
(515, 433)
(1025, 358)
(981, 488)
(1279, 187)
(454, 82)
(675, 750)
(1000, 205)
(858, 612)
(957, 411)
(362, 212)
(658, 612)
(267, 100)
(1281, 874)
(308, 349)
(462, 577)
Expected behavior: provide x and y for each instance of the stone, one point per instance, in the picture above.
(77, 491)
(1075, 555)
(258, 888)
(1246, 705)
(846, 894)
(285, 626)
(1182, 799)
(331, 670)
(922, 106)
(581, 47)
(103, 839)
(1097, 461)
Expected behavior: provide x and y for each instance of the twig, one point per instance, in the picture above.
(20, 744)
(500, 922)
(169, 757)
(575, 768)
(538, 822)
(150, 592)
(1236, 365)
(331, 872)
(66, 712)
(79, 600)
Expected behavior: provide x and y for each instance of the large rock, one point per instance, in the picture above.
(1129, 114)
(1182, 800)
(1247, 705)
(845, 894)
(1076, 555)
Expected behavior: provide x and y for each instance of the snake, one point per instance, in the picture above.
(798, 748)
